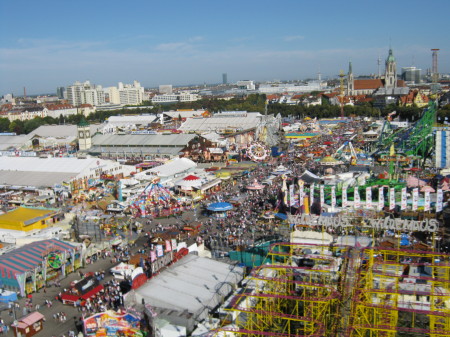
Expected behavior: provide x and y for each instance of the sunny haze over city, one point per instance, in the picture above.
(47, 44)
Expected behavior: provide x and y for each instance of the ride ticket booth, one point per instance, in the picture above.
(28, 325)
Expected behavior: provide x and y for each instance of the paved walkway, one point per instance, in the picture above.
(56, 328)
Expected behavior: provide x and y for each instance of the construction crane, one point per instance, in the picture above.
(342, 76)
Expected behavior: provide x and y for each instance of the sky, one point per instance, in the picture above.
(46, 44)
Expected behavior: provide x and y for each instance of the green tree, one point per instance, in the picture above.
(17, 126)
(4, 124)
(33, 124)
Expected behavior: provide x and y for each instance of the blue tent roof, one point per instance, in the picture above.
(219, 207)
(281, 216)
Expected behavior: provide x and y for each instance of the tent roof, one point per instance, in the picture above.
(29, 256)
(25, 215)
(171, 168)
(194, 284)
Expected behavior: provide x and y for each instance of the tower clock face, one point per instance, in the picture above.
(81, 134)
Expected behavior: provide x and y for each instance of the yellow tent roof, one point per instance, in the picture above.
(328, 159)
(23, 214)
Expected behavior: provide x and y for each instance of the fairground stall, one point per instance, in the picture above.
(29, 268)
(82, 290)
(28, 325)
(111, 323)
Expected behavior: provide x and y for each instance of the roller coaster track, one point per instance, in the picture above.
(415, 140)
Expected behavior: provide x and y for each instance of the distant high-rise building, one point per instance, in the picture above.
(224, 78)
(126, 94)
(85, 93)
(246, 85)
(166, 89)
(60, 91)
(411, 74)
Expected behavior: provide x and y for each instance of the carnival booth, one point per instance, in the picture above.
(82, 290)
(28, 325)
(111, 323)
(28, 268)
(122, 271)
(220, 209)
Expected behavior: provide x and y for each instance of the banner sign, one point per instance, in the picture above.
(380, 198)
(322, 195)
(356, 198)
(391, 198)
(344, 197)
(415, 199)
(333, 196)
(300, 196)
(388, 223)
(368, 197)
(403, 205)
(439, 200)
(427, 204)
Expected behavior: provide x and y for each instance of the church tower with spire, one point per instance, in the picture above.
(350, 80)
(390, 76)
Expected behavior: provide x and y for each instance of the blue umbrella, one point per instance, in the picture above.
(220, 207)
(281, 216)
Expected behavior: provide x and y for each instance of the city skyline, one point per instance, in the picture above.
(49, 44)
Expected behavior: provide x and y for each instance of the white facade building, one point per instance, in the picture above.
(61, 110)
(27, 114)
(126, 94)
(85, 93)
(180, 97)
(278, 88)
(246, 84)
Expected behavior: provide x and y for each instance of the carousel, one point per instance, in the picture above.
(255, 186)
(257, 152)
(156, 201)
(220, 209)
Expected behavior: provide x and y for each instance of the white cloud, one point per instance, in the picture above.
(42, 65)
(293, 38)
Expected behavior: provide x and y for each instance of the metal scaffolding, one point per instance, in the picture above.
(329, 290)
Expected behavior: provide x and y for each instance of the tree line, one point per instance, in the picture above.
(250, 103)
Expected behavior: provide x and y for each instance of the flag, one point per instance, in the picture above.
(439, 200)
(291, 195)
(391, 198)
(380, 198)
(415, 199)
(159, 250)
(300, 196)
(427, 201)
(322, 195)
(333, 196)
(168, 246)
(152, 256)
(344, 197)
(403, 206)
(357, 200)
(368, 197)
(174, 244)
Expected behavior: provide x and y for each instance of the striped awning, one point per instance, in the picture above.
(29, 256)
